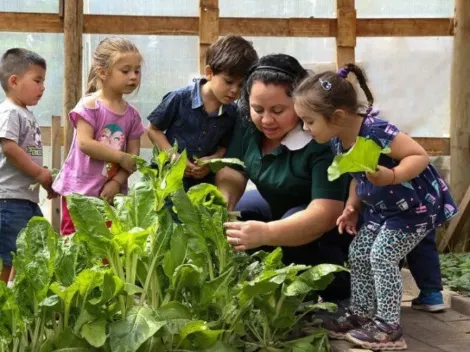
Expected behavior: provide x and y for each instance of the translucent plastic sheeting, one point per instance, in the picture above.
(143, 7)
(170, 62)
(51, 47)
(50, 6)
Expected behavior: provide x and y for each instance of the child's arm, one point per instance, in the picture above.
(96, 150)
(348, 219)
(114, 185)
(158, 137)
(22, 161)
(413, 161)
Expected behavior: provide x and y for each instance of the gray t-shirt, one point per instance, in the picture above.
(19, 125)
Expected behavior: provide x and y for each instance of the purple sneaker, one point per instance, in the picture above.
(378, 335)
(339, 327)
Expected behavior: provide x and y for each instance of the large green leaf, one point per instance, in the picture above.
(90, 224)
(187, 276)
(218, 163)
(95, 332)
(320, 276)
(200, 333)
(34, 263)
(175, 314)
(71, 258)
(362, 157)
(139, 324)
(138, 208)
(132, 241)
(214, 289)
(207, 195)
(177, 253)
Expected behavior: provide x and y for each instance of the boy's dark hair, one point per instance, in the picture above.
(277, 69)
(232, 55)
(326, 92)
(16, 61)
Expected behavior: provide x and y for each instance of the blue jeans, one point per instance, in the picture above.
(14, 216)
(331, 248)
(424, 265)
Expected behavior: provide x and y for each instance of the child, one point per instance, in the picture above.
(200, 117)
(22, 74)
(401, 202)
(107, 128)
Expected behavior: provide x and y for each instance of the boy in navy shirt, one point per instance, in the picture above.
(200, 117)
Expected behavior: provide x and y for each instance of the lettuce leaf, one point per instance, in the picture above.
(362, 157)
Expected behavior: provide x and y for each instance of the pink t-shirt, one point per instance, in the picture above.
(83, 174)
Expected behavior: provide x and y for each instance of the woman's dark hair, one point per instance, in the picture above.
(326, 92)
(277, 69)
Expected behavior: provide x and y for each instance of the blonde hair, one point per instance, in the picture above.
(106, 55)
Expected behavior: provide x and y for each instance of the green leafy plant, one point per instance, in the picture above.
(155, 272)
(455, 270)
(218, 163)
(362, 157)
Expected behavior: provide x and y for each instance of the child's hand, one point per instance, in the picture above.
(199, 172)
(128, 163)
(44, 178)
(188, 172)
(348, 221)
(382, 177)
(110, 189)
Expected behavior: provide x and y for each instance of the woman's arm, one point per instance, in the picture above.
(232, 184)
(304, 226)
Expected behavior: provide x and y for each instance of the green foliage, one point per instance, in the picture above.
(151, 283)
(362, 157)
(455, 270)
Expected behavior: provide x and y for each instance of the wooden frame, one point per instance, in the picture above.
(208, 26)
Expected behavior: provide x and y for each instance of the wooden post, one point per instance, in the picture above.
(73, 28)
(460, 122)
(208, 28)
(56, 145)
(346, 36)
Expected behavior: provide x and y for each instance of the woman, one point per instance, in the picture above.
(294, 205)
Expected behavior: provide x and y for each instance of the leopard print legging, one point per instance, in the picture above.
(374, 256)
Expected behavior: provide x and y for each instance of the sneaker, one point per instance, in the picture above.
(339, 327)
(429, 302)
(377, 335)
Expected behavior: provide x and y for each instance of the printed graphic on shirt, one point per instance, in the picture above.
(36, 149)
(112, 136)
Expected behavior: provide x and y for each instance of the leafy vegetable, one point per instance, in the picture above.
(362, 157)
(455, 270)
(170, 280)
(218, 163)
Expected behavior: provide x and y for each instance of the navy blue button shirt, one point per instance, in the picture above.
(182, 116)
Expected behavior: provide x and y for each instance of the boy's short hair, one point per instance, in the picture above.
(232, 55)
(16, 61)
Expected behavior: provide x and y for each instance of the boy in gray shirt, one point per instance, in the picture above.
(22, 74)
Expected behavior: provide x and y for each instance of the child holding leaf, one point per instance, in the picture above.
(400, 196)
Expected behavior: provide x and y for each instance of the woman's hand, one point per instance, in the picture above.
(348, 220)
(246, 235)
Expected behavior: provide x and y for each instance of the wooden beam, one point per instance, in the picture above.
(208, 28)
(460, 110)
(73, 26)
(56, 162)
(346, 33)
(278, 27)
(434, 146)
(404, 27)
(151, 25)
(30, 22)
(457, 224)
(264, 27)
